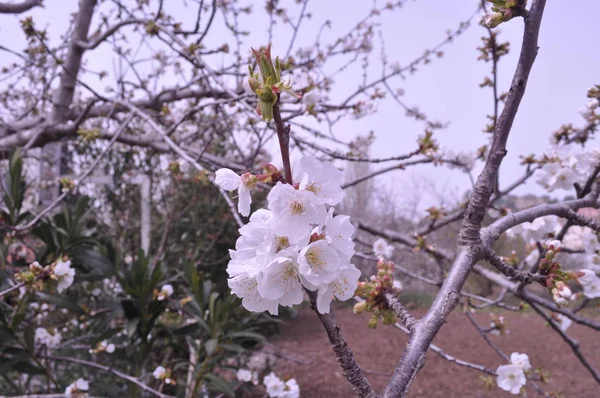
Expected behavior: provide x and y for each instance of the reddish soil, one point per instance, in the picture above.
(305, 355)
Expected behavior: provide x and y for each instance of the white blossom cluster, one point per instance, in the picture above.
(565, 166)
(536, 230)
(277, 388)
(588, 111)
(247, 376)
(511, 377)
(77, 389)
(296, 243)
(590, 283)
(382, 249)
(44, 337)
(65, 275)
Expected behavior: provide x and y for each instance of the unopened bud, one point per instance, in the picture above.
(554, 245)
(493, 20)
(373, 322)
(360, 307)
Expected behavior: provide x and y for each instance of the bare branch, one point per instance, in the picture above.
(402, 313)
(17, 8)
(469, 252)
(512, 272)
(343, 353)
(80, 178)
(115, 372)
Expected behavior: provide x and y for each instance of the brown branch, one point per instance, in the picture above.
(115, 372)
(344, 355)
(283, 136)
(402, 313)
(413, 358)
(512, 272)
(17, 8)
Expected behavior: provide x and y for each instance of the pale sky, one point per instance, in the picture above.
(448, 90)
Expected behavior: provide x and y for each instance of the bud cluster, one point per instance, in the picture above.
(60, 272)
(35, 275)
(271, 86)
(503, 11)
(373, 292)
(497, 325)
(555, 277)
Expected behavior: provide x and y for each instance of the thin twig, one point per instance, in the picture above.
(115, 372)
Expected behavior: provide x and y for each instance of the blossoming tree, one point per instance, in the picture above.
(218, 122)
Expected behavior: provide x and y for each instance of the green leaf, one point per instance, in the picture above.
(253, 336)
(217, 383)
(28, 336)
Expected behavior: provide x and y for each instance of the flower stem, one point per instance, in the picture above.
(283, 135)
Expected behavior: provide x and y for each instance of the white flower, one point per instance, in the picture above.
(536, 230)
(280, 280)
(592, 290)
(593, 104)
(563, 322)
(274, 385)
(510, 378)
(230, 181)
(165, 292)
(554, 245)
(382, 249)
(65, 275)
(532, 258)
(338, 233)
(244, 375)
(290, 389)
(342, 288)
(245, 285)
(159, 372)
(110, 348)
(311, 98)
(77, 389)
(321, 178)
(43, 337)
(520, 360)
(319, 263)
(397, 284)
(589, 277)
(294, 210)
(586, 112)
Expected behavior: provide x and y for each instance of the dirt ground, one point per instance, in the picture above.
(305, 355)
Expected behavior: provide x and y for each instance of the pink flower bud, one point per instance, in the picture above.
(554, 245)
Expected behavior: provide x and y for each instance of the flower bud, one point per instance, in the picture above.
(360, 307)
(554, 245)
(249, 180)
(493, 20)
(373, 322)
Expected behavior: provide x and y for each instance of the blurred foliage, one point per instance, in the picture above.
(116, 295)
